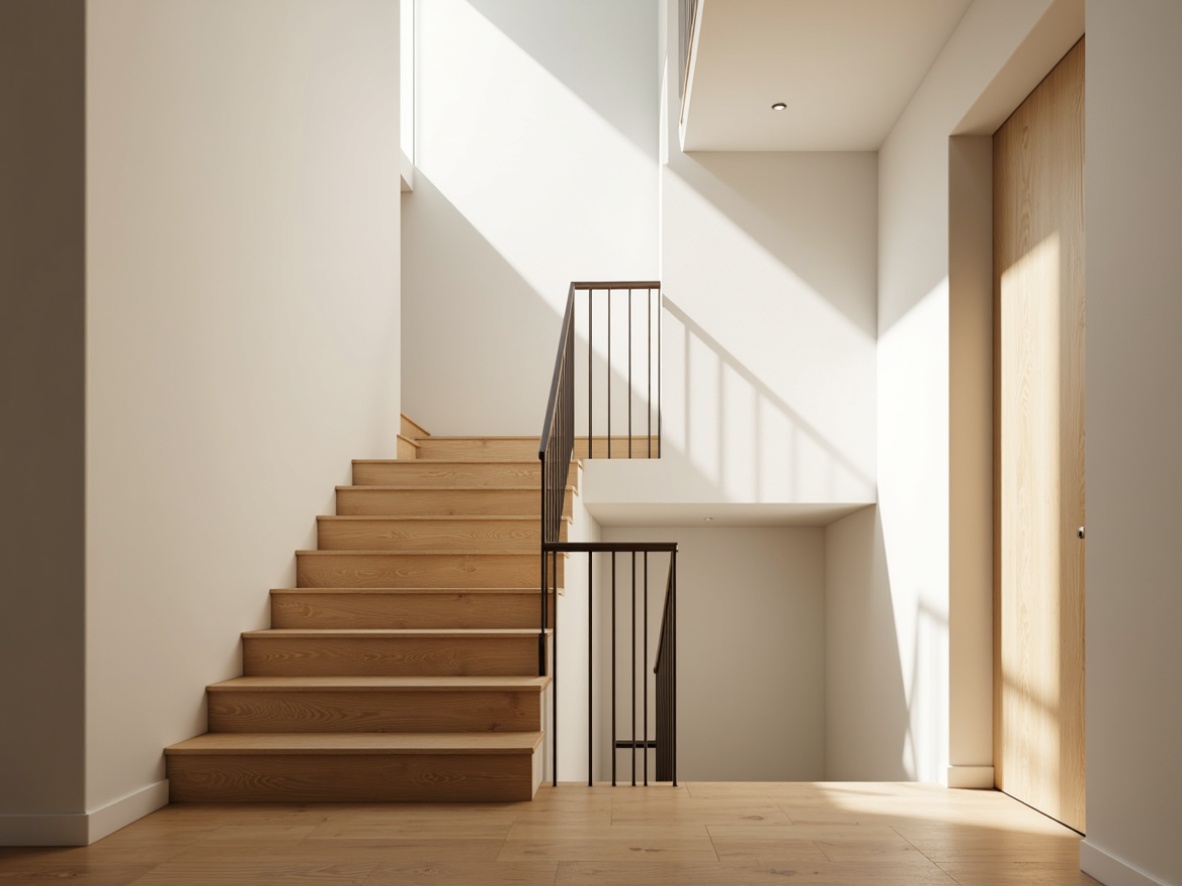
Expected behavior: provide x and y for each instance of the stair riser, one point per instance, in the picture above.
(380, 502)
(478, 448)
(513, 610)
(381, 778)
(432, 475)
(392, 534)
(345, 570)
(387, 710)
(390, 656)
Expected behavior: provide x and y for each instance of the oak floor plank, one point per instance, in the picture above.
(895, 835)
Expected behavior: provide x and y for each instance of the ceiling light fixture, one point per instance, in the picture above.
(779, 106)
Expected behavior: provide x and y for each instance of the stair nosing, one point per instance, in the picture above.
(385, 552)
(392, 633)
(348, 590)
(533, 487)
(437, 462)
(380, 684)
(427, 518)
(357, 743)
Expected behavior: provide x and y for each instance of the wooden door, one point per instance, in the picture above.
(1038, 157)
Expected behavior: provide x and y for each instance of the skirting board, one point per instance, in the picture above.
(84, 828)
(978, 778)
(1110, 870)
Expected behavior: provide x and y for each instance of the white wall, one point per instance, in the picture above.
(42, 399)
(242, 335)
(536, 165)
(999, 51)
(1134, 423)
(750, 651)
(768, 263)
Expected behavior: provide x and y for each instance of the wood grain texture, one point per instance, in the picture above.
(473, 777)
(984, 838)
(398, 501)
(406, 608)
(439, 473)
(1039, 311)
(407, 449)
(304, 653)
(382, 705)
(510, 534)
(521, 743)
(393, 569)
(411, 429)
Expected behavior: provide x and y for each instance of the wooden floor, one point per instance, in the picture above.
(699, 833)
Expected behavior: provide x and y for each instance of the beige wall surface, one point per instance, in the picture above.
(42, 326)
(242, 336)
(1134, 424)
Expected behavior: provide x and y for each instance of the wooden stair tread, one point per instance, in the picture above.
(381, 684)
(507, 590)
(439, 464)
(426, 518)
(356, 743)
(384, 552)
(436, 490)
(430, 633)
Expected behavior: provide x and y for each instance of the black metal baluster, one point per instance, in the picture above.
(590, 672)
(673, 656)
(613, 741)
(554, 670)
(609, 373)
(648, 365)
(634, 669)
(644, 669)
(629, 373)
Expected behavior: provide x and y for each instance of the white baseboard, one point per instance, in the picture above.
(121, 813)
(83, 828)
(1110, 870)
(971, 777)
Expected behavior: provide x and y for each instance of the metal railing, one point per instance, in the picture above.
(556, 449)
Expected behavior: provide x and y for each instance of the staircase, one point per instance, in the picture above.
(403, 665)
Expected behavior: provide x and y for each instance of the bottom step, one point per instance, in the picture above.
(355, 768)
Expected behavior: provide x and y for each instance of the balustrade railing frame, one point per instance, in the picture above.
(556, 450)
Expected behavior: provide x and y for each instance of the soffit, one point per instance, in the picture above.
(845, 68)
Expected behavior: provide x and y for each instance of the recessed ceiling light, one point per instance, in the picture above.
(779, 106)
(709, 519)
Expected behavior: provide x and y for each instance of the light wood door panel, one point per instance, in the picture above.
(1039, 316)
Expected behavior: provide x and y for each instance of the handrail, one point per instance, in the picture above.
(556, 450)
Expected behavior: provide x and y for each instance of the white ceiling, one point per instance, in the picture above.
(845, 68)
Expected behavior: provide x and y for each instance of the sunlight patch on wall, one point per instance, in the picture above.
(517, 152)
